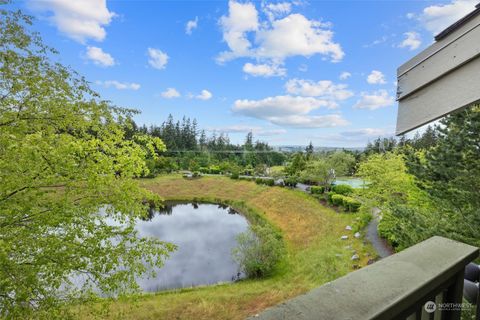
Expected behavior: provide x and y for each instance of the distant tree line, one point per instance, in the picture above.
(189, 148)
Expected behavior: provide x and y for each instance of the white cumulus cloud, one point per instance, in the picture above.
(412, 40)
(376, 77)
(204, 95)
(276, 39)
(170, 93)
(99, 57)
(242, 18)
(436, 18)
(275, 10)
(79, 20)
(287, 110)
(191, 25)
(311, 121)
(119, 85)
(374, 100)
(323, 88)
(157, 58)
(345, 75)
(264, 70)
(259, 131)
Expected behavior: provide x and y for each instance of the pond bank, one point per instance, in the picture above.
(315, 252)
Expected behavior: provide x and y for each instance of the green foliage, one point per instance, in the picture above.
(297, 164)
(234, 175)
(363, 218)
(342, 162)
(259, 251)
(317, 189)
(317, 172)
(214, 170)
(337, 199)
(343, 189)
(351, 204)
(329, 197)
(291, 182)
(66, 167)
(265, 181)
(450, 173)
(409, 215)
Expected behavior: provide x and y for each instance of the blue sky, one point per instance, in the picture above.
(290, 71)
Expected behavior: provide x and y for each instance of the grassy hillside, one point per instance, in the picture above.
(312, 232)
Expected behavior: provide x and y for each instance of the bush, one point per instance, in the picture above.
(258, 251)
(351, 204)
(343, 189)
(329, 197)
(235, 175)
(265, 181)
(337, 199)
(317, 189)
(291, 182)
(196, 174)
(214, 170)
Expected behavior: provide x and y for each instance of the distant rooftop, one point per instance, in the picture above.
(458, 24)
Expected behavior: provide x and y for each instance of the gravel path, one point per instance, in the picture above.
(380, 244)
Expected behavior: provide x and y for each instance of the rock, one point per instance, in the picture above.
(355, 257)
(357, 235)
(370, 261)
(348, 228)
(356, 266)
(344, 237)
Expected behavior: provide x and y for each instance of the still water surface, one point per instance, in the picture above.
(205, 235)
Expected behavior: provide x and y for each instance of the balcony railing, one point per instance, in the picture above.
(397, 287)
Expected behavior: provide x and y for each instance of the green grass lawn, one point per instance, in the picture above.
(312, 232)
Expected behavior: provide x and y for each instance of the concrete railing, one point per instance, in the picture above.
(397, 287)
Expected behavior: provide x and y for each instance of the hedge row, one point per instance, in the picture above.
(342, 189)
(317, 189)
(291, 182)
(210, 170)
(266, 181)
(349, 203)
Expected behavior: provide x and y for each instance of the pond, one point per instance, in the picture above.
(353, 182)
(205, 235)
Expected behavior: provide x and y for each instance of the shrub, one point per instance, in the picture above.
(214, 170)
(234, 175)
(258, 251)
(248, 171)
(269, 182)
(329, 197)
(343, 189)
(351, 204)
(266, 181)
(291, 182)
(317, 189)
(204, 170)
(196, 174)
(337, 199)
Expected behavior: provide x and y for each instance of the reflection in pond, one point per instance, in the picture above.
(205, 235)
